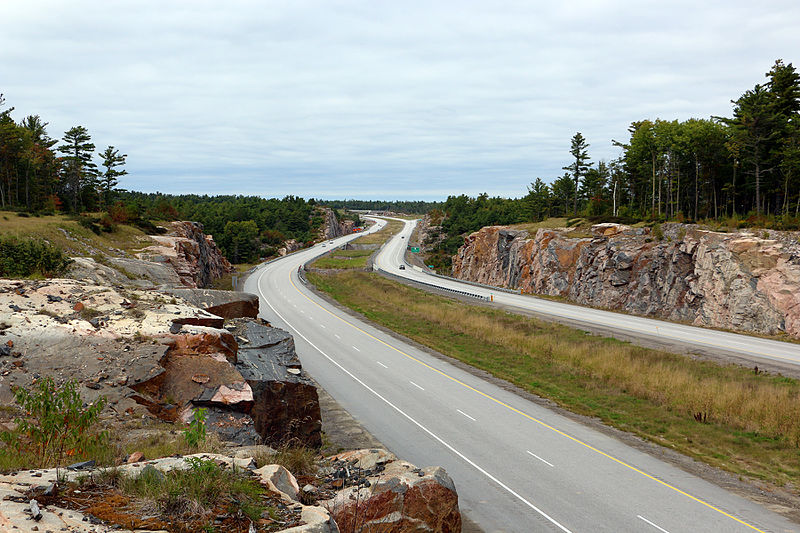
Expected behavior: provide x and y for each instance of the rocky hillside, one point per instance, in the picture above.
(361, 490)
(182, 256)
(161, 356)
(743, 281)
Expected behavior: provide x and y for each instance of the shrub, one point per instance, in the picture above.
(657, 232)
(55, 425)
(195, 434)
(21, 258)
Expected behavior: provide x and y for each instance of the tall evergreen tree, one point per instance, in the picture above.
(753, 127)
(112, 159)
(78, 165)
(578, 149)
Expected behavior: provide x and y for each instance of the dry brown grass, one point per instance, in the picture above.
(725, 415)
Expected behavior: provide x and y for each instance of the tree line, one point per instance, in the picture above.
(244, 227)
(396, 206)
(39, 173)
(744, 165)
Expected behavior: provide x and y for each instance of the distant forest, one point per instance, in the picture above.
(397, 206)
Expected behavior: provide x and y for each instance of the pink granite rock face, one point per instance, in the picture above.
(735, 281)
(191, 253)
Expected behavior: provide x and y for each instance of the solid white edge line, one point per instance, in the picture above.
(542, 460)
(413, 421)
(652, 524)
(417, 386)
(465, 414)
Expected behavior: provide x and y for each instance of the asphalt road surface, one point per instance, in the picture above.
(751, 348)
(517, 466)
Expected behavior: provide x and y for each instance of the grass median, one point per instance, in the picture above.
(392, 227)
(344, 259)
(726, 416)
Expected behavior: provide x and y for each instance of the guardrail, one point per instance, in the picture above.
(439, 287)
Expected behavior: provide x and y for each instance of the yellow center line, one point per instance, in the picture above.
(529, 417)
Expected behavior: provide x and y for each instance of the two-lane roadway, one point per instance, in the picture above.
(518, 466)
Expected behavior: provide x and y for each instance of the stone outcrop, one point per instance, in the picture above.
(287, 407)
(123, 272)
(159, 357)
(289, 246)
(735, 281)
(332, 227)
(392, 495)
(226, 304)
(192, 254)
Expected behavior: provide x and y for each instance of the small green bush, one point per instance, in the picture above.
(195, 434)
(657, 232)
(55, 425)
(20, 258)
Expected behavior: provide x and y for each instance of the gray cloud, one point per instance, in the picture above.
(376, 99)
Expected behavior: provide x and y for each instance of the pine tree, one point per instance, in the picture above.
(108, 179)
(79, 168)
(578, 149)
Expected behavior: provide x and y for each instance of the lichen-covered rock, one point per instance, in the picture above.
(726, 280)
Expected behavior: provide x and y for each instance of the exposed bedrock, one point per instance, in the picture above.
(735, 281)
(191, 253)
(225, 304)
(148, 354)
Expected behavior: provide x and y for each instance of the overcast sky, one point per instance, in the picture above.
(393, 99)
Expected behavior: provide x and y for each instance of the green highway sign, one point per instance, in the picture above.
(415, 249)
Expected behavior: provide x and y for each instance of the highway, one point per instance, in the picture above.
(517, 466)
(751, 348)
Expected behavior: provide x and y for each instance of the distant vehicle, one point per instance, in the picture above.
(402, 236)
(323, 245)
(402, 267)
(330, 242)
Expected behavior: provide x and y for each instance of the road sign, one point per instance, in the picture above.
(415, 249)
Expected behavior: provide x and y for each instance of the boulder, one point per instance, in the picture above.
(277, 479)
(396, 497)
(286, 404)
(315, 520)
(366, 459)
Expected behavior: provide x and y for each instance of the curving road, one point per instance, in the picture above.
(518, 466)
(751, 348)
